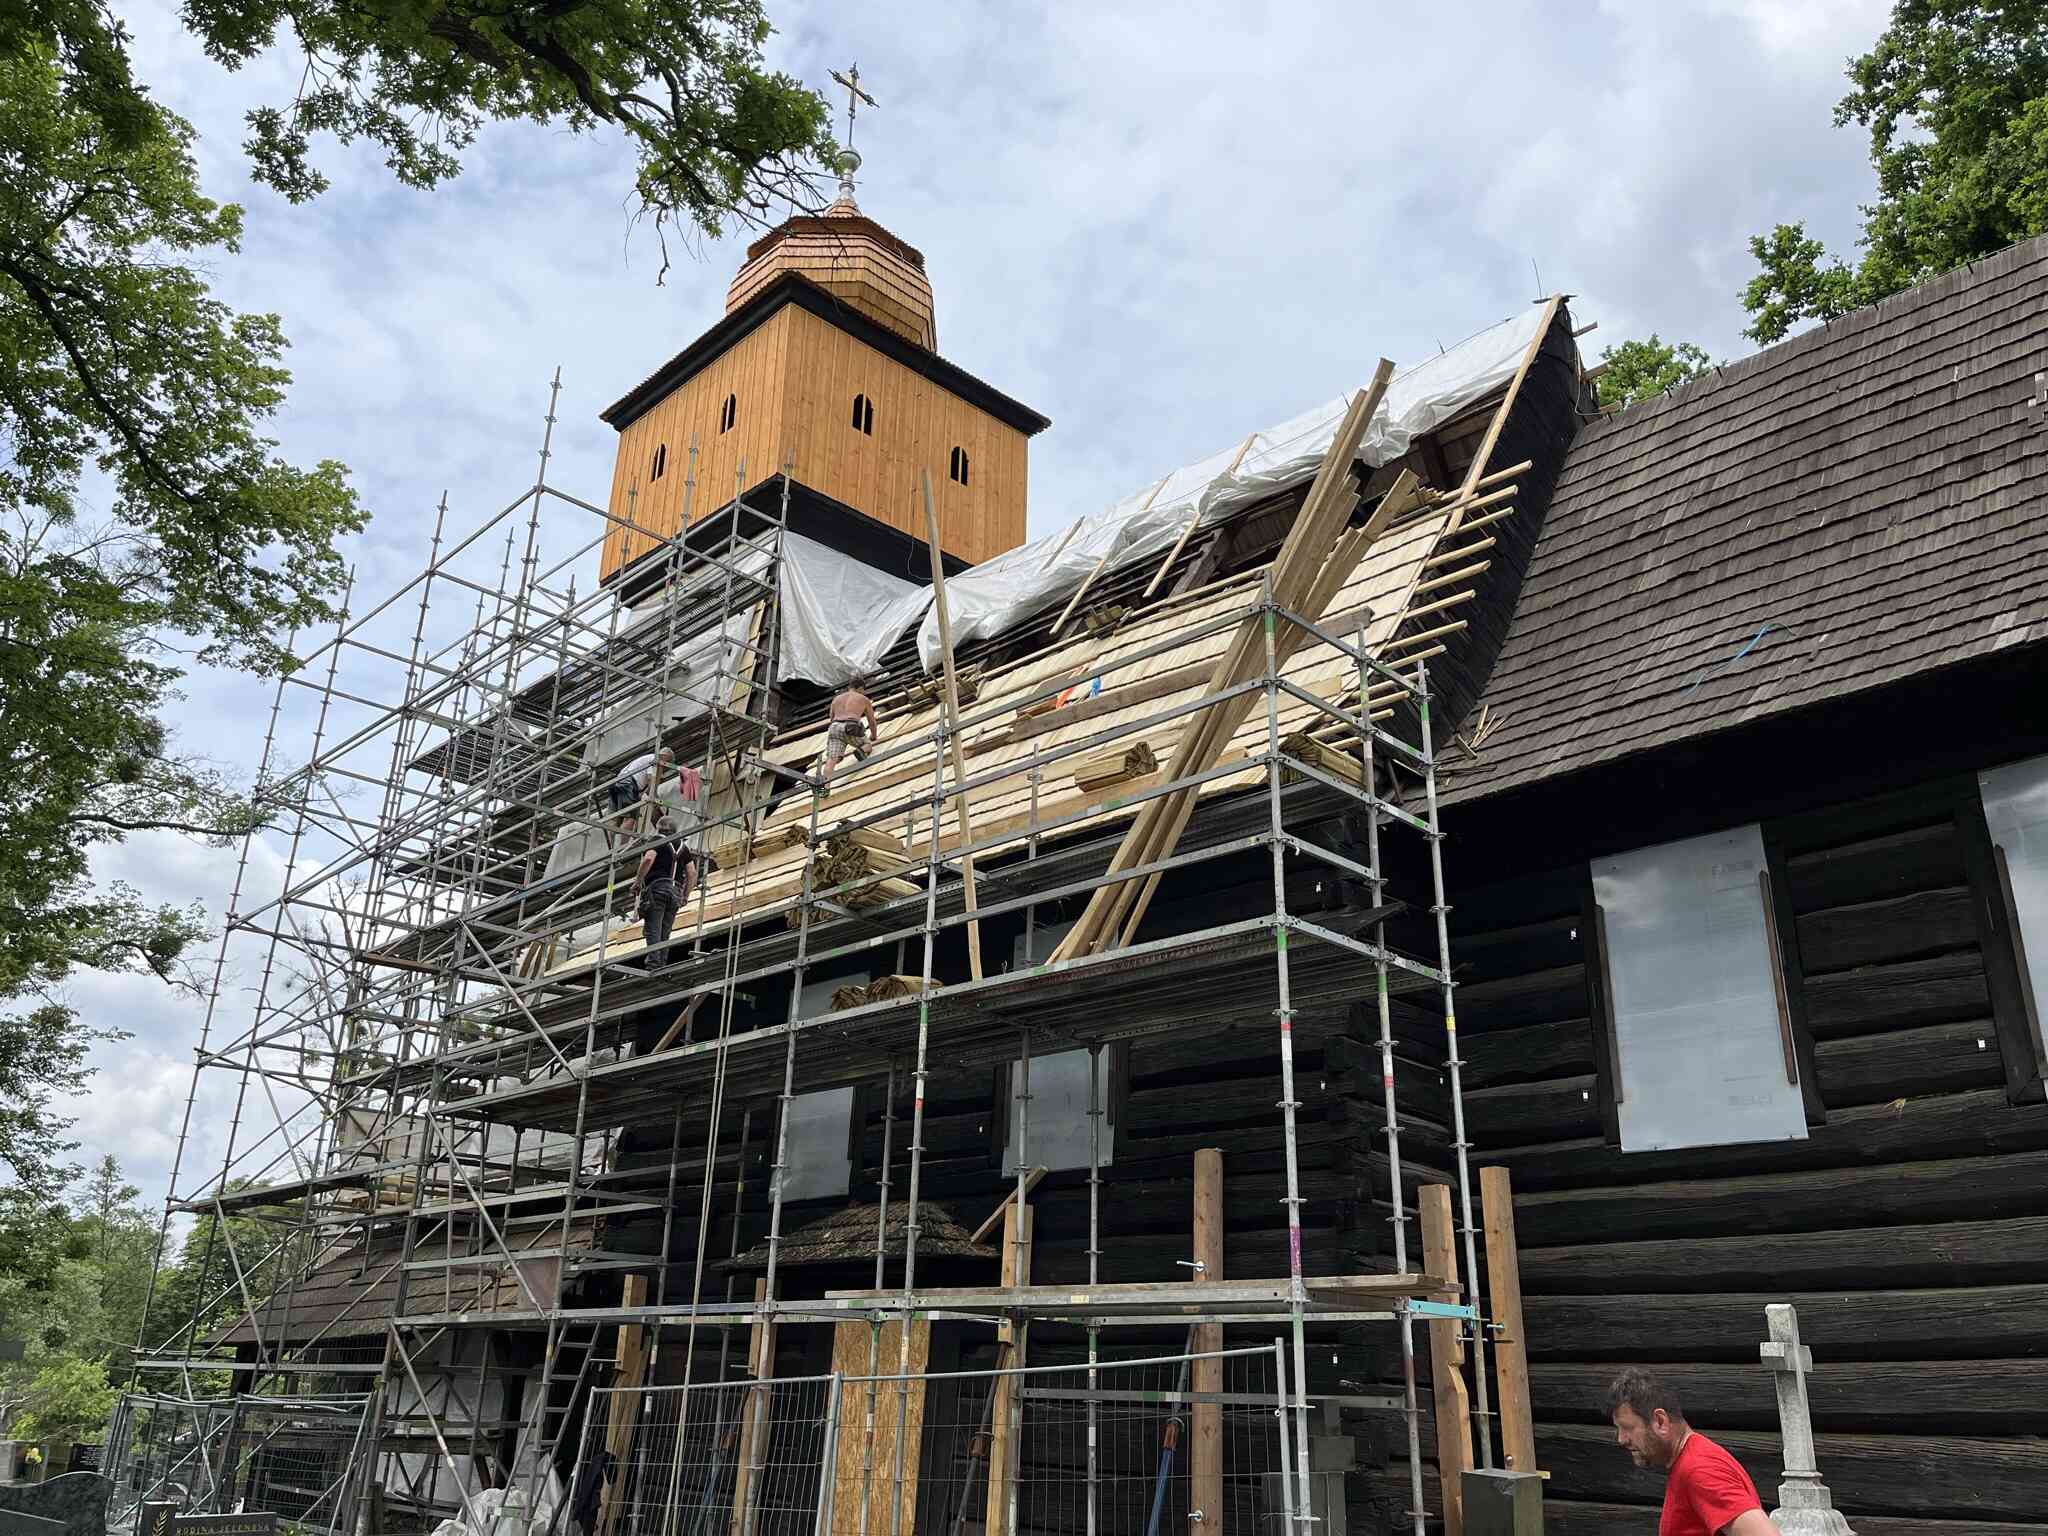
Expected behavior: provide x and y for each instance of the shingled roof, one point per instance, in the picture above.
(1863, 503)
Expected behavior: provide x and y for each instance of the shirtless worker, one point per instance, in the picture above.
(1706, 1492)
(853, 727)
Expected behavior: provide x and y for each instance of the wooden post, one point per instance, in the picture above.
(931, 528)
(1504, 1308)
(1003, 1436)
(1446, 1358)
(631, 1359)
(1205, 1420)
(754, 1419)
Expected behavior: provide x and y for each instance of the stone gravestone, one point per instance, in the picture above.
(75, 1501)
(1805, 1507)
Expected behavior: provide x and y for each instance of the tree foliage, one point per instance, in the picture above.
(715, 133)
(125, 379)
(1954, 96)
(1636, 370)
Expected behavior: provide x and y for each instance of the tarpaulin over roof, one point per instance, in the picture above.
(997, 593)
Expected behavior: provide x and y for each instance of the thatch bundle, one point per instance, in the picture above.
(1099, 770)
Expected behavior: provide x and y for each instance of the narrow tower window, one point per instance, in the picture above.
(958, 468)
(864, 415)
(660, 462)
(728, 413)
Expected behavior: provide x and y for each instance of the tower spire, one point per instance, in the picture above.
(849, 157)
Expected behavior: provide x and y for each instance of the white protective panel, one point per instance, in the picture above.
(995, 594)
(2016, 811)
(839, 614)
(1700, 1050)
(817, 1156)
(1059, 1112)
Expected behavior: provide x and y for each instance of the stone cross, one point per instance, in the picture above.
(1805, 1506)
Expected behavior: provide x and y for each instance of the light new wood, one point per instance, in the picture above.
(630, 1360)
(1504, 1308)
(1011, 1342)
(931, 524)
(1446, 1361)
(1205, 1420)
(754, 1426)
(1001, 1212)
(865, 1466)
(1507, 403)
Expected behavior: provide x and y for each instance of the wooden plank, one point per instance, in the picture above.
(1897, 928)
(931, 524)
(1956, 1322)
(1934, 1254)
(1001, 1212)
(1942, 1058)
(1936, 990)
(1967, 1187)
(1004, 1441)
(1446, 1362)
(754, 1425)
(1205, 1420)
(1504, 1307)
(1937, 1396)
(865, 1469)
(630, 1360)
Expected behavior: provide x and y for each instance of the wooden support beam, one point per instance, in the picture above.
(631, 1362)
(1500, 415)
(1205, 1420)
(1002, 1211)
(931, 528)
(1504, 1309)
(1446, 1360)
(1004, 1439)
(754, 1427)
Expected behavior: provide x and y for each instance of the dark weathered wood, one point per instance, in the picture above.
(1898, 928)
(1876, 869)
(1988, 1321)
(1940, 1058)
(1574, 1517)
(1516, 951)
(1953, 1476)
(1524, 1114)
(1937, 1396)
(1964, 1187)
(1529, 1054)
(1953, 1124)
(1540, 997)
(1937, 990)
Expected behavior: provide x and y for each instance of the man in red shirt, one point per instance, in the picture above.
(1706, 1492)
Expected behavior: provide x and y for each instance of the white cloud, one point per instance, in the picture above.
(1163, 226)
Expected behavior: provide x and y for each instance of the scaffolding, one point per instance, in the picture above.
(451, 1015)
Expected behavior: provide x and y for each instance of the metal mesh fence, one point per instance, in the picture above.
(1129, 1448)
(287, 1456)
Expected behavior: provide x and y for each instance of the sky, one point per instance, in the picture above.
(1162, 226)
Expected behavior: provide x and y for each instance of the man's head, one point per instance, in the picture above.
(1648, 1420)
(666, 826)
(665, 756)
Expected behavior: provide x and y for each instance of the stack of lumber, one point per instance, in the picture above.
(1334, 761)
(931, 692)
(793, 836)
(1101, 769)
(852, 855)
(1313, 565)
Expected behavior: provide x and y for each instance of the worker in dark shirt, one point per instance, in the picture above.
(1706, 1492)
(667, 872)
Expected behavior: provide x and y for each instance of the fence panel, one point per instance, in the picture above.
(1044, 1451)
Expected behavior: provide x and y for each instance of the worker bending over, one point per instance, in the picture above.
(1706, 1492)
(853, 727)
(638, 780)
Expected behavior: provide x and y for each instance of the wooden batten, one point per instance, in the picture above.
(1205, 1420)
(1446, 1361)
(1004, 1441)
(1504, 1309)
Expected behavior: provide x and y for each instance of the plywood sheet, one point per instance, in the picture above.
(866, 1464)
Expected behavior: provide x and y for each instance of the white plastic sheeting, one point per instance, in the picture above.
(997, 593)
(839, 614)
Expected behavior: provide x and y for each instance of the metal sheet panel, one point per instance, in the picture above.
(1697, 1030)
(2016, 811)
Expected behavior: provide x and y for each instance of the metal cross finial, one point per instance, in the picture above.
(854, 97)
